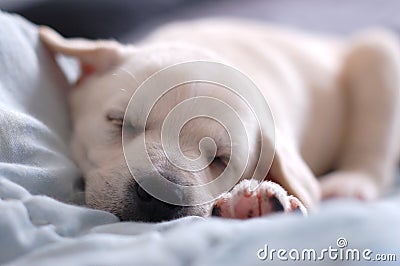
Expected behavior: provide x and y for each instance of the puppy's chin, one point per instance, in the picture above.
(117, 192)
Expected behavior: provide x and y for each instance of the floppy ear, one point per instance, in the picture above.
(290, 171)
(94, 56)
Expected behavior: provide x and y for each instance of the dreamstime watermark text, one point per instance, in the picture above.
(339, 252)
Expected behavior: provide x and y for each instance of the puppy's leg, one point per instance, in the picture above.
(371, 146)
(268, 198)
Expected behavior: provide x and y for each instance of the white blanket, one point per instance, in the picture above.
(37, 230)
(33, 116)
(36, 176)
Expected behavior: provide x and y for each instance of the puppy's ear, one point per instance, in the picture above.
(290, 171)
(94, 56)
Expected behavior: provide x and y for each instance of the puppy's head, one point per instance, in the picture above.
(110, 74)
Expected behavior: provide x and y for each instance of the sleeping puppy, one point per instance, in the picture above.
(335, 105)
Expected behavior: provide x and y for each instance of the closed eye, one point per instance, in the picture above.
(221, 161)
(116, 118)
(116, 121)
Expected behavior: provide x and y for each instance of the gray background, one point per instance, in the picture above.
(126, 19)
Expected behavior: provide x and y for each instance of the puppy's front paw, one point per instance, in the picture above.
(349, 184)
(268, 198)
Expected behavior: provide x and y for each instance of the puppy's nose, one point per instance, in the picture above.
(153, 210)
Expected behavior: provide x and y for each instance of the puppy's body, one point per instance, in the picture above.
(297, 73)
(335, 104)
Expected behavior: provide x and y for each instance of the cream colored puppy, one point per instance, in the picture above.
(335, 104)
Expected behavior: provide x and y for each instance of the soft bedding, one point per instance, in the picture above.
(33, 115)
(37, 230)
(39, 225)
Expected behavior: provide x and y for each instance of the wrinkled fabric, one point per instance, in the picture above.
(34, 124)
(38, 230)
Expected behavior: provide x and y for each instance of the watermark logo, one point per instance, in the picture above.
(341, 242)
(185, 79)
(340, 252)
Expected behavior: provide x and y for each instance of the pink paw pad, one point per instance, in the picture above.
(268, 198)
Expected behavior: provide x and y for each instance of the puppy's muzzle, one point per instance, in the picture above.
(140, 205)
